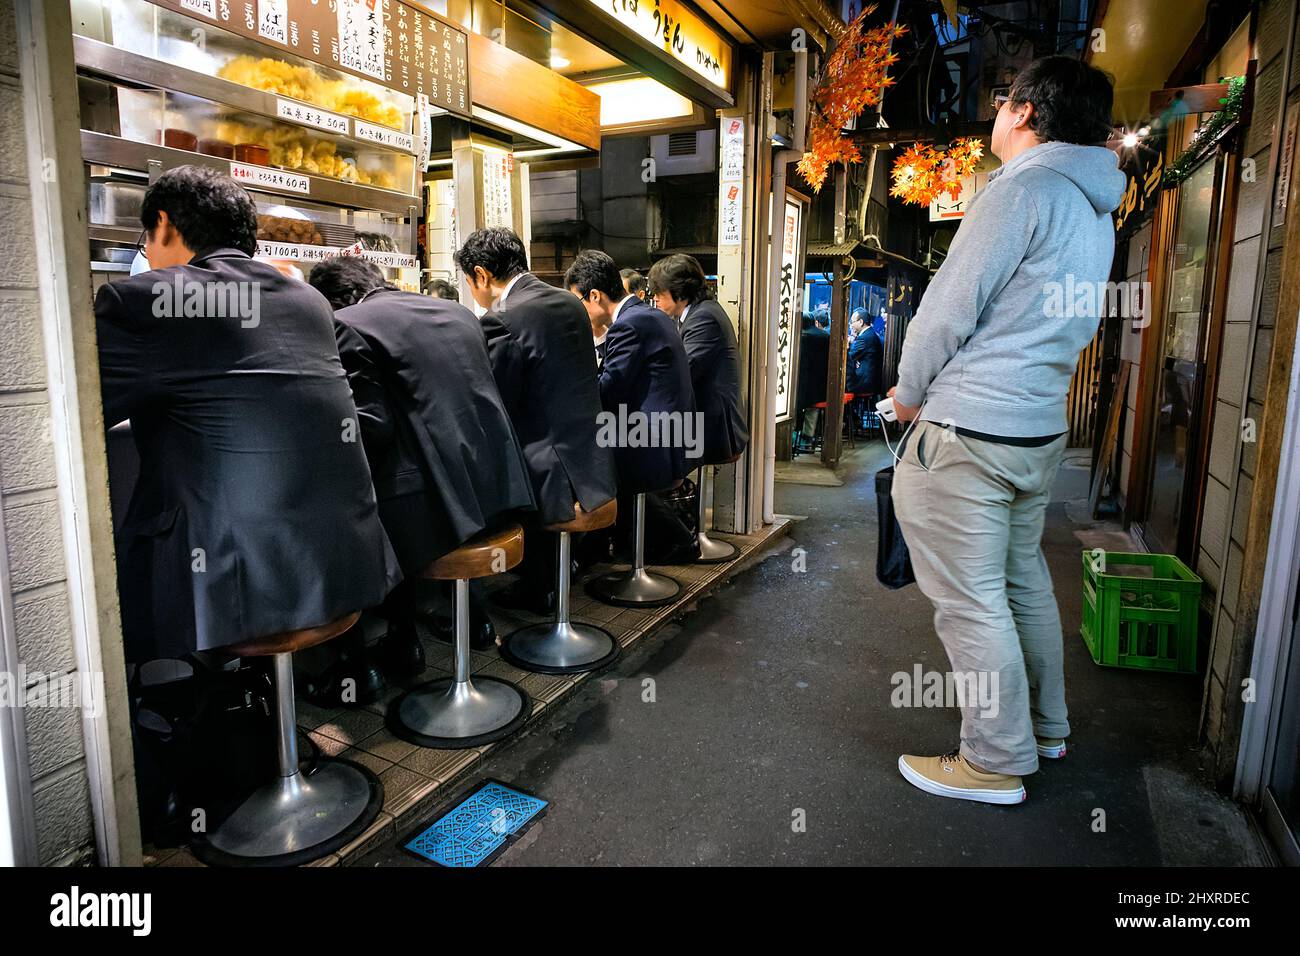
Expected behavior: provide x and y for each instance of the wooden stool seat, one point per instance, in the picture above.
(287, 642)
(294, 818)
(604, 516)
(480, 556)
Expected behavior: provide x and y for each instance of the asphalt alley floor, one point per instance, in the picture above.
(758, 729)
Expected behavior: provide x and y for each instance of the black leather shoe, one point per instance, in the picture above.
(517, 597)
(347, 683)
(482, 632)
(401, 653)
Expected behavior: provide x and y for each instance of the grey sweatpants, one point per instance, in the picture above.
(972, 513)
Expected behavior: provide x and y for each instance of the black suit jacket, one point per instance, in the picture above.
(539, 341)
(254, 512)
(715, 373)
(646, 370)
(865, 354)
(814, 356)
(444, 458)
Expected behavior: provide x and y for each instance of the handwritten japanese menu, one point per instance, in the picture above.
(406, 49)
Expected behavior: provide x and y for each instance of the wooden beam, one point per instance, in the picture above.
(1202, 98)
(509, 83)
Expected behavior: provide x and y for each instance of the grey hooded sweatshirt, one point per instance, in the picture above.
(999, 330)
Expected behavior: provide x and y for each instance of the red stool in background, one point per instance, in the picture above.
(821, 420)
(295, 818)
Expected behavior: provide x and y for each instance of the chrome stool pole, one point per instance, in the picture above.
(295, 818)
(561, 647)
(635, 587)
(711, 552)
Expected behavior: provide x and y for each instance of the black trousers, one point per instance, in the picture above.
(539, 570)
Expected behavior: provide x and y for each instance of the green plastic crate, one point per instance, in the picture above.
(1130, 620)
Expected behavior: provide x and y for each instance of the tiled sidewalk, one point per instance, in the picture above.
(416, 779)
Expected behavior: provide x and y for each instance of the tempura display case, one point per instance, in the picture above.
(332, 160)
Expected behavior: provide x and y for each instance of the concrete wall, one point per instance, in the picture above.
(1243, 373)
(30, 523)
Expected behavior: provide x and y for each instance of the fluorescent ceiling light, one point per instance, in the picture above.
(523, 129)
(638, 100)
(558, 62)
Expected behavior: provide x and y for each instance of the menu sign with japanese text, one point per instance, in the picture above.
(731, 171)
(406, 49)
(679, 31)
(789, 305)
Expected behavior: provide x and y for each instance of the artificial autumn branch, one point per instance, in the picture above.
(855, 77)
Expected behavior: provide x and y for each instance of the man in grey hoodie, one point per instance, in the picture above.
(984, 373)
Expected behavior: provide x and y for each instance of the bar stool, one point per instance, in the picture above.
(565, 647)
(636, 587)
(711, 552)
(295, 818)
(455, 712)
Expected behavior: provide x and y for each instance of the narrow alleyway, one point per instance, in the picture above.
(772, 704)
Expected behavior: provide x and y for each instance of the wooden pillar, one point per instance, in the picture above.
(834, 418)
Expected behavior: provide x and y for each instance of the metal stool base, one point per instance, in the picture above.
(714, 552)
(297, 819)
(636, 587)
(567, 648)
(447, 715)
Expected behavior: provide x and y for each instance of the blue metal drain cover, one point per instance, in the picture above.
(478, 827)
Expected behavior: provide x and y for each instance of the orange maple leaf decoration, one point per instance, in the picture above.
(854, 78)
(921, 173)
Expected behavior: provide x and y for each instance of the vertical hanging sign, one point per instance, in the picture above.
(731, 174)
(789, 304)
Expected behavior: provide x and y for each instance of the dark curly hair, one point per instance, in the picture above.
(1071, 99)
(209, 209)
(680, 276)
(498, 250)
(343, 280)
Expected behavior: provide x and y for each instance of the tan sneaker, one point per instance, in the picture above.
(1053, 748)
(951, 776)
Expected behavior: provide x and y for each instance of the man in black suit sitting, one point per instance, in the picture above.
(645, 382)
(678, 286)
(540, 344)
(443, 455)
(254, 512)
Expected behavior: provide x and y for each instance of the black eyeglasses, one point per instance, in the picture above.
(139, 243)
(998, 100)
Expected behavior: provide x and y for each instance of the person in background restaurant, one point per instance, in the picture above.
(678, 285)
(442, 289)
(866, 352)
(253, 513)
(540, 344)
(634, 283)
(984, 373)
(645, 371)
(419, 371)
(814, 359)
